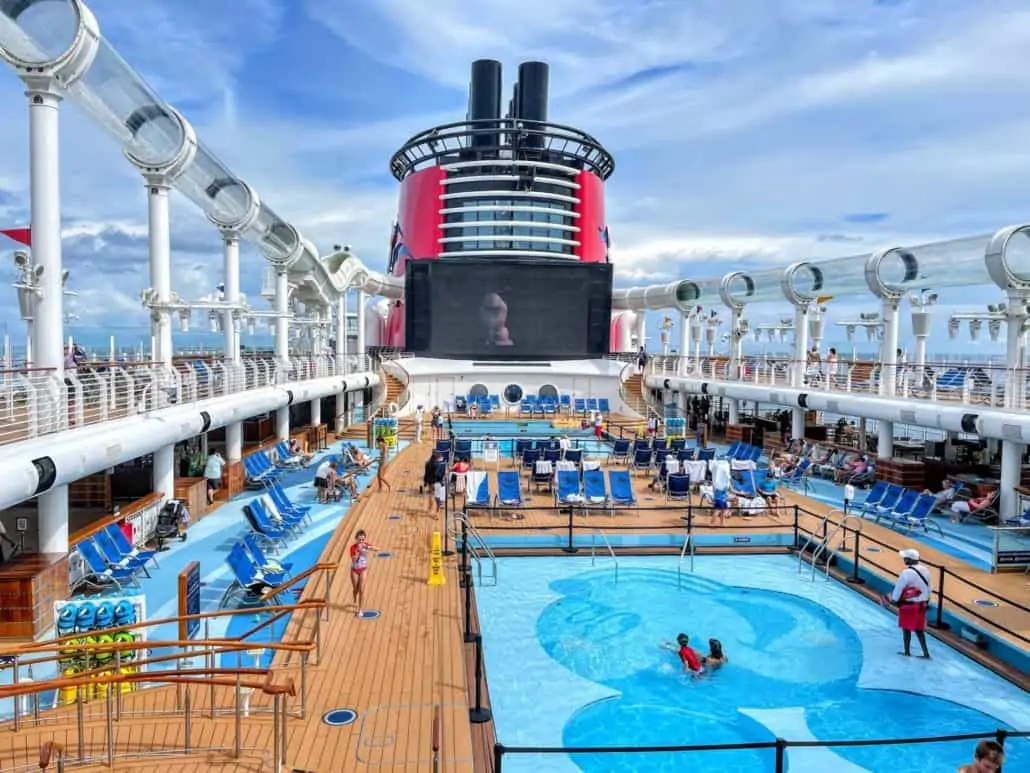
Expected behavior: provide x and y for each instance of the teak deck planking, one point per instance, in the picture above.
(398, 670)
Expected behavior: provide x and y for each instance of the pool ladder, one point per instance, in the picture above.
(479, 551)
(823, 545)
(593, 550)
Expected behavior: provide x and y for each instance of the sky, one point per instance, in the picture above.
(748, 134)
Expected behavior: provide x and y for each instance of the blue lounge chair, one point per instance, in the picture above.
(126, 548)
(286, 458)
(620, 450)
(620, 489)
(268, 566)
(705, 454)
(273, 536)
(580, 406)
(288, 521)
(872, 498)
(509, 489)
(542, 474)
(887, 502)
(642, 459)
(283, 503)
(477, 489)
(641, 444)
(521, 446)
(574, 455)
(247, 582)
(529, 459)
(603, 405)
(919, 516)
(568, 491)
(115, 557)
(901, 509)
(677, 488)
(102, 570)
(595, 490)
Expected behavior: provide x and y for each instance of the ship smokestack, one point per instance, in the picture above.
(485, 100)
(531, 103)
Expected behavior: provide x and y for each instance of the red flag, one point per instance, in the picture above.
(20, 235)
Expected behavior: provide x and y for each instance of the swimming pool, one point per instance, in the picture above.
(573, 659)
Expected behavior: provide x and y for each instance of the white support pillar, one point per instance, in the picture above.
(362, 346)
(1015, 363)
(316, 411)
(797, 424)
(163, 471)
(684, 343)
(282, 322)
(641, 328)
(48, 325)
(888, 374)
(160, 267)
(340, 424)
(231, 325)
(736, 350)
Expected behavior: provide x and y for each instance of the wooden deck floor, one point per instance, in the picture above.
(410, 665)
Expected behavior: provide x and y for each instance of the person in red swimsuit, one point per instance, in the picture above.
(691, 662)
(359, 567)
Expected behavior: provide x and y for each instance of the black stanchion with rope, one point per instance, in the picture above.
(570, 548)
(479, 714)
(447, 509)
(466, 573)
(854, 579)
(939, 623)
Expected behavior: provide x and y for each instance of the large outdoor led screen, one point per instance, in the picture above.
(505, 309)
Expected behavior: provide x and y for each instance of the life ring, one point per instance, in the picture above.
(392, 408)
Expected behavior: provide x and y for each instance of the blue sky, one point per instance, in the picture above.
(747, 133)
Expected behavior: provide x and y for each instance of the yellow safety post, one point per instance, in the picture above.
(436, 576)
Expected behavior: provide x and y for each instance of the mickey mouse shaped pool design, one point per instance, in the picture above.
(793, 672)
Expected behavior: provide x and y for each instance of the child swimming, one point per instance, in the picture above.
(691, 662)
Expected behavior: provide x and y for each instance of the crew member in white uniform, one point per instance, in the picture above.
(911, 595)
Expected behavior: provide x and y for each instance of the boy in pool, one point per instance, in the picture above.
(691, 662)
(359, 568)
(988, 758)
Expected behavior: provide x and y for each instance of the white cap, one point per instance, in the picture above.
(909, 554)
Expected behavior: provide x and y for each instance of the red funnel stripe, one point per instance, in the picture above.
(20, 235)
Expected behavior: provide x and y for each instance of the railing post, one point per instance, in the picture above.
(80, 722)
(797, 535)
(498, 757)
(303, 684)
(939, 624)
(237, 740)
(109, 717)
(447, 494)
(118, 670)
(854, 579)
(283, 716)
(781, 755)
(570, 548)
(276, 738)
(188, 722)
(479, 714)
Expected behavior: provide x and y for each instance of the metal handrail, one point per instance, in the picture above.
(608, 545)
(474, 533)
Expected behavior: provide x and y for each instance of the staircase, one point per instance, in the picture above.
(633, 394)
(394, 391)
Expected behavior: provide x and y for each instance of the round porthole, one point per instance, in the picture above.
(548, 392)
(513, 393)
(476, 391)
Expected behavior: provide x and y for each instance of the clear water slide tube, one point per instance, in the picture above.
(683, 295)
(49, 35)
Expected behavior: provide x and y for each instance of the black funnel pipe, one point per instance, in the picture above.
(485, 100)
(532, 97)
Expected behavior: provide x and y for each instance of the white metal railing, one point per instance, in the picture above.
(979, 384)
(36, 401)
(608, 547)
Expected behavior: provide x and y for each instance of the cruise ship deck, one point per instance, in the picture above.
(395, 691)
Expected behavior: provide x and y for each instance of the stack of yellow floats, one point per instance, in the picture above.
(99, 623)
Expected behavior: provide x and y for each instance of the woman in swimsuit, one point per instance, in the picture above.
(384, 455)
(715, 657)
(359, 567)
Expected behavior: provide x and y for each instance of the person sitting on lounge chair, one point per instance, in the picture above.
(979, 508)
(945, 496)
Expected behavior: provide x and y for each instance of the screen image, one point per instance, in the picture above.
(506, 310)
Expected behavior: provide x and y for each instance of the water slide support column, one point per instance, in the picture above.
(684, 343)
(48, 327)
(231, 325)
(921, 330)
(160, 249)
(1015, 363)
(341, 358)
(282, 344)
(733, 371)
(641, 328)
(888, 373)
(797, 423)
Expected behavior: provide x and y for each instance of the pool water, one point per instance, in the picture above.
(574, 659)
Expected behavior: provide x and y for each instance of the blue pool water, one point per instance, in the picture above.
(573, 658)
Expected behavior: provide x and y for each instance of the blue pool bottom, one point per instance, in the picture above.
(573, 660)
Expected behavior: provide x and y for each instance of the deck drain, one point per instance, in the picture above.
(384, 554)
(368, 614)
(340, 717)
(872, 549)
(394, 517)
(985, 603)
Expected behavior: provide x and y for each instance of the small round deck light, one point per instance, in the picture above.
(340, 717)
(368, 614)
